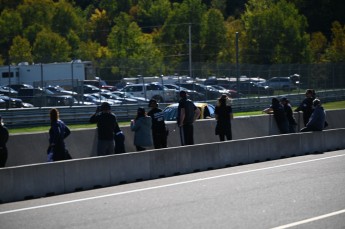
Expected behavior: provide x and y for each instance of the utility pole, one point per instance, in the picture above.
(190, 50)
(237, 64)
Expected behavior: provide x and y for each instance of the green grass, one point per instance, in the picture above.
(327, 106)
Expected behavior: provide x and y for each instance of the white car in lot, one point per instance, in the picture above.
(151, 91)
(280, 83)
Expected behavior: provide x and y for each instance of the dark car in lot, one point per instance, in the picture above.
(14, 102)
(249, 87)
(43, 97)
(194, 95)
(208, 92)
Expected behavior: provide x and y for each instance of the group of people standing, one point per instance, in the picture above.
(150, 129)
(314, 116)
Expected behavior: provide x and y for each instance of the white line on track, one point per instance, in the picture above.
(310, 220)
(167, 185)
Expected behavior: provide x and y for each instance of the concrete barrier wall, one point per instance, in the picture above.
(31, 148)
(40, 180)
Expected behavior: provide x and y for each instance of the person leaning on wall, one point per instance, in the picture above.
(142, 127)
(317, 119)
(4, 135)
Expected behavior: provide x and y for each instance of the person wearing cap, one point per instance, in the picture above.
(142, 127)
(107, 127)
(159, 129)
(289, 114)
(3, 140)
(317, 119)
(187, 113)
(307, 105)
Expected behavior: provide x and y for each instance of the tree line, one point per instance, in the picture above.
(150, 37)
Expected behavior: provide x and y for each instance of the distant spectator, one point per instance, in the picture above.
(317, 118)
(107, 126)
(223, 115)
(289, 114)
(159, 129)
(279, 115)
(187, 113)
(3, 140)
(142, 126)
(307, 105)
(57, 133)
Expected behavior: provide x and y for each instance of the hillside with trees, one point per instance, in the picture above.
(125, 38)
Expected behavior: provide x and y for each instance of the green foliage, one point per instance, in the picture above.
(50, 47)
(150, 37)
(276, 33)
(20, 50)
(336, 52)
(213, 35)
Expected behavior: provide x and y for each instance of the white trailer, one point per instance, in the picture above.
(64, 73)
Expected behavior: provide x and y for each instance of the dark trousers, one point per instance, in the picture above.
(119, 143)
(187, 134)
(228, 136)
(159, 140)
(3, 156)
(139, 148)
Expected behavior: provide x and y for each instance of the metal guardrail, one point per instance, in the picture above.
(25, 117)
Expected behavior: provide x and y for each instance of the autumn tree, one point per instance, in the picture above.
(20, 50)
(213, 35)
(51, 47)
(132, 52)
(336, 51)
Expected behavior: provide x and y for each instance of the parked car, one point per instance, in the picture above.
(230, 92)
(14, 102)
(16, 87)
(102, 99)
(151, 91)
(4, 90)
(43, 97)
(194, 95)
(101, 84)
(88, 89)
(124, 100)
(280, 83)
(207, 91)
(248, 87)
(207, 111)
(60, 90)
(129, 95)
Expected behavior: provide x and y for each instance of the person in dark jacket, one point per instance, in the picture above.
(317, 118)
(289, 114)
(57, 133)
(159, 129)
(187, 114)
(142, 126)
(307, 105)
(279, 115)
(107, 126)
(3, 140)
(223, 115)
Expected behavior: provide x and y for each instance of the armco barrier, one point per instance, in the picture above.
(31, 148)
(40, 180)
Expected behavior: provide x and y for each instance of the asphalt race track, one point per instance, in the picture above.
(299, 192)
